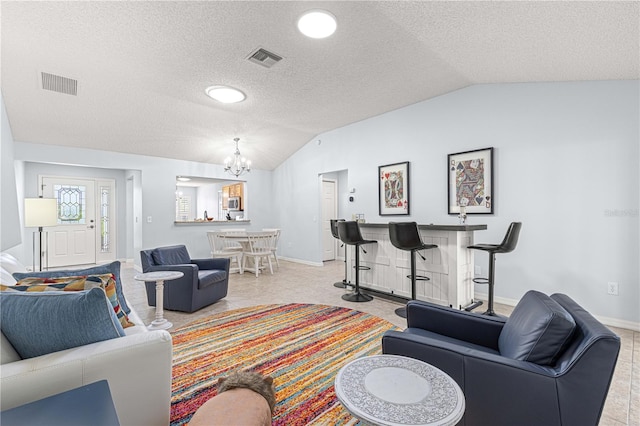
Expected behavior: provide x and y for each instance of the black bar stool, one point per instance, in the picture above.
(349, 232)
(334, 231)
(405, 236)
(507, 245)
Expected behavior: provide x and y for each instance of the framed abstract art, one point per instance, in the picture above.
(470, 182)
(393, 189)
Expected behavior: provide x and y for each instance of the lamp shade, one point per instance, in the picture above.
(40, 212)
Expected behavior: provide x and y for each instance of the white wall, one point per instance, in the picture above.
(33, 170)
(566, 165)
(10, 234)
(156, 189)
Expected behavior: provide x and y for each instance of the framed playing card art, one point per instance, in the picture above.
(393, 189)
(470, 182)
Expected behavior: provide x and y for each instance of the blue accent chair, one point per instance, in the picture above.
(549, 363)
(205, 281)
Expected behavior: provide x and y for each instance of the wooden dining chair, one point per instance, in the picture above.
(259, 250)
(224, 248)
(273, 244)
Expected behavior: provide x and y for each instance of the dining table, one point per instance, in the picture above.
(244, 239)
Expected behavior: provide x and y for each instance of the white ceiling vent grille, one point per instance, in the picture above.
(59, 84)
(264, 58)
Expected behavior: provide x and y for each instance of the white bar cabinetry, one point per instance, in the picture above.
(449, 266)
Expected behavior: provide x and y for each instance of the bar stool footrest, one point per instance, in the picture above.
(363, 268)
(420, 278)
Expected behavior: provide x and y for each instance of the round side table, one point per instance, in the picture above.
(396, 390)
(160, 323)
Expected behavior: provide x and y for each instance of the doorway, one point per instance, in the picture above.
(329, 211)
(86, 230)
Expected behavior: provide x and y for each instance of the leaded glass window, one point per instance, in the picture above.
(105, 232)
(72, 207)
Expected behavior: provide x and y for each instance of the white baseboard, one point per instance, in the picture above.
(304, 262)
(611, 322)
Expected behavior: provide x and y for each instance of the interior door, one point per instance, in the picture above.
(73, 240)
(329, 211)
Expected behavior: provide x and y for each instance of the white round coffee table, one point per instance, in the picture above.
(160, 322)
(396, 390)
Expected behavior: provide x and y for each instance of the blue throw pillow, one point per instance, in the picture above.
(45, 322)
(111, 268)
(538, 330)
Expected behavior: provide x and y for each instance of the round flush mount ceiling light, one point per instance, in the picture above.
(317, 24)
(225, 94)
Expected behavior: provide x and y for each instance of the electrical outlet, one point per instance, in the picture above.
(612, 288)
(478, 270)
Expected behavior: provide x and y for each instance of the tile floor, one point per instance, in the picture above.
(298, 283)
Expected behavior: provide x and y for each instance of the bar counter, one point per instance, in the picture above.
(449, 266)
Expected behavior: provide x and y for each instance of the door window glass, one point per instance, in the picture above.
(105, 205)
(71, 204)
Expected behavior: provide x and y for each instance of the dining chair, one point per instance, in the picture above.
(230, 243)
(274, 243)
(224, 248)
(259, 250)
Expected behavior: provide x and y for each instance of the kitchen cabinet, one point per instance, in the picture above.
(235, 190)
(225, 197)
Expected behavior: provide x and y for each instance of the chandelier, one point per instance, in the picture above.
(238, 164)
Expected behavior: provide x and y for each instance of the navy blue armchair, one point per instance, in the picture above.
(549, 363)
(205, 281)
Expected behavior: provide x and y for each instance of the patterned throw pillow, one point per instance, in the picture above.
(77, 283)
(108, 283)
(48, 284)
(111, 268)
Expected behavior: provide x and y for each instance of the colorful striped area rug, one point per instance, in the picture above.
(301, 346)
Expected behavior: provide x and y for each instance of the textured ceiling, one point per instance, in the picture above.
(142, 67)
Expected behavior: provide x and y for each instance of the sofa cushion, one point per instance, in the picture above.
(207, 278)
(537, 331)
(104, 281)
(173, 255)
(38, 323)
(111, 268)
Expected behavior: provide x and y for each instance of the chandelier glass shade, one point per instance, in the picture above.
(238, 164)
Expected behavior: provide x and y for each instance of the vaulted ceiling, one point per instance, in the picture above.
(142, 67)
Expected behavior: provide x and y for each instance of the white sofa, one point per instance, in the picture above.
(136, 366)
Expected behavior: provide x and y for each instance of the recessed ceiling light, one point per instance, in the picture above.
(317, 24)
(225, 94)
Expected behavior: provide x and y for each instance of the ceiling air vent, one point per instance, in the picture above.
(59, 84)
(264, 58)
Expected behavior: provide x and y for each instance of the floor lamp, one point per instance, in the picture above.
(39, 212)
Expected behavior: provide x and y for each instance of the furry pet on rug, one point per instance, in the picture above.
(244, 398)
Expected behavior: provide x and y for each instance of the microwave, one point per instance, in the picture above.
(234, 203)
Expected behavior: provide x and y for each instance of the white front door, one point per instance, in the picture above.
(329, 211)
(73, 240)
